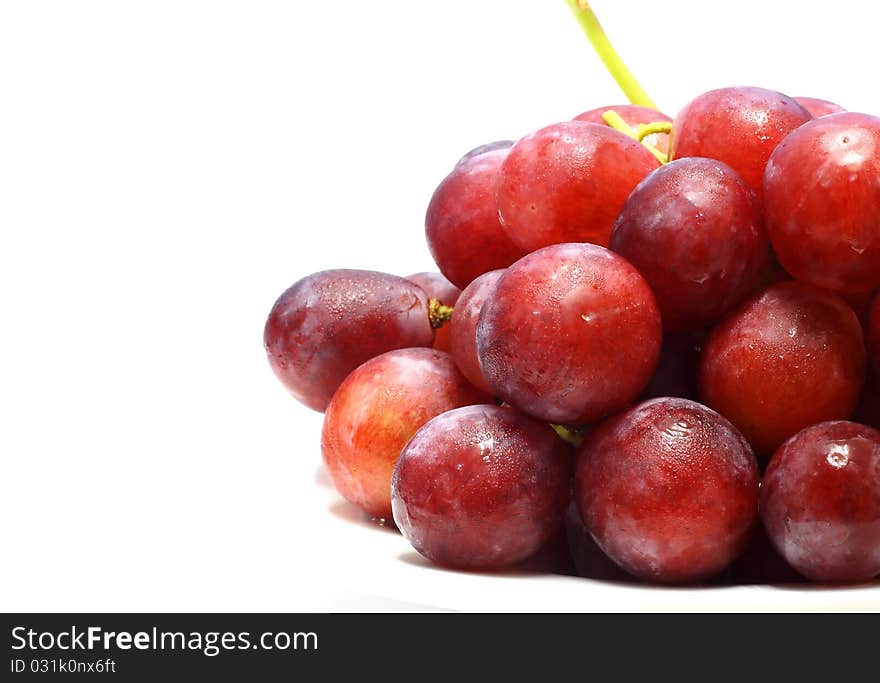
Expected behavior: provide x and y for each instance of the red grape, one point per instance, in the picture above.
(822, 202)
(463, 327)
(694, 230)
(820, 502)
(790, 357)
(567, 183)
(462, 227)
(668, 489)
(481, 487)
(438, 287)
(818, 107)
(570, 334)
(377, 409)
(632, 115)
(328, 323)
(739, 126)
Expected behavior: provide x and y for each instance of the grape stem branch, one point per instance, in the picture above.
(585, 16)
(613, 119)
(438, 314)
(645, 129)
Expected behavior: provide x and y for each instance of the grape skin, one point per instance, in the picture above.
(822, 202)
(791, 356)
(570, 334)
(820, 502)
(462, 226)
(463, 327)
(739, 126)
(481, 487)
(694, 230)
(374, 413)
(668, 489)
(567, 183)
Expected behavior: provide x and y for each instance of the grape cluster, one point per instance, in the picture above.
(635, 317)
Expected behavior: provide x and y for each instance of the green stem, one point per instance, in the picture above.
(646, 129)
(591, 26)
(613, 119)
(573, 436)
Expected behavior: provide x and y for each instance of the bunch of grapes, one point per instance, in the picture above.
(657, 332)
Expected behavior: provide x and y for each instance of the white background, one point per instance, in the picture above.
(168, 168)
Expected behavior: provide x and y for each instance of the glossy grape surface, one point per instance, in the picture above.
(739, 126)
(327, 324)
(463, 327)
(570, 334)
(790, 357)
(567, 183)
(822, 202)
(820, 502)
(694, 230)
(375, 412)
(668, 489)
(481, 487)
(462, 227)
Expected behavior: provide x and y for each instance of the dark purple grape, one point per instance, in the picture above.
(328, 323)
(481, 487)
(694, 230)
(668, 489)
(820, 502)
